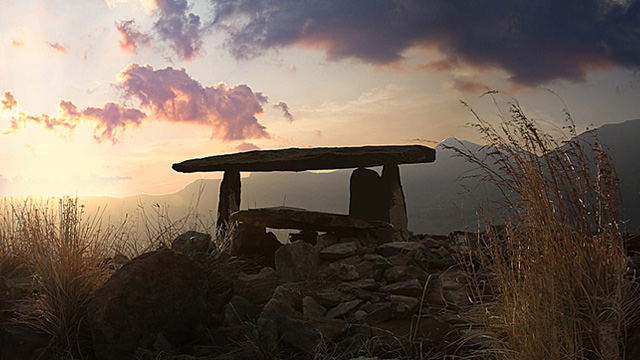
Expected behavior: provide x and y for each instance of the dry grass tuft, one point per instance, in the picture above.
(552, 283)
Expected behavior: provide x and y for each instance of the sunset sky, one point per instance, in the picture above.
(100, 97)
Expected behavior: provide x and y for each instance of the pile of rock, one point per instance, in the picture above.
(340, 291)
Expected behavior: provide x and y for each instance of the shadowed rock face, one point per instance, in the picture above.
(162, 292)
(295, 159)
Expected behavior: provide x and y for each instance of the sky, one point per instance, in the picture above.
(100, 97)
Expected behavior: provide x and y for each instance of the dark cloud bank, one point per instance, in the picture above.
(535, 41)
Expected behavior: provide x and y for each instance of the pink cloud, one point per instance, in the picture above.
(285, 110)
(131, 36)
(57, 47)
(174, 96)
(109, 120)
(9, 101)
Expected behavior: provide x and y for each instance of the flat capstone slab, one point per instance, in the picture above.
(301, 159)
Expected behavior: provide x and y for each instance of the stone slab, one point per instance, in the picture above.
(284, 217)
(297, 159)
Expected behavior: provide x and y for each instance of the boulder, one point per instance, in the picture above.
(403, 306)
(161, 292)
(295, 262)
(192, 243)
(19, 341)
(253, 242)
(257, 288)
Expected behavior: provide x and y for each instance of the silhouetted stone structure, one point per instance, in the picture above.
(373, 198)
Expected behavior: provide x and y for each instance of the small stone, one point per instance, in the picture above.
(359, 315)
(330, 297)
(403, 273)
(394, 248)
(343, 308)
(257, 288)
(377, 313)
(344, 272)
(366, 284)
(311, 308)
(407, 288)
(403, 306)
(441, 251)
(339, 251)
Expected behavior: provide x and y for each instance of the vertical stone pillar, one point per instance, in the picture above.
(229, 201)
(367, 198)
(397, 205)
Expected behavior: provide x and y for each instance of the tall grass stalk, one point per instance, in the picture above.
(64, 256)
(557, 270)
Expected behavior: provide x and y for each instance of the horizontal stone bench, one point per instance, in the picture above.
(284, 217)
(372, 197)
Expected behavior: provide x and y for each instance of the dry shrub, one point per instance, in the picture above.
(552, 283)
(64, 255)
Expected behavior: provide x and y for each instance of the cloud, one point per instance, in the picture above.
(174, 96)
(469, 86)
(57, 47)
(174, 24)
(9, 101)
(245, 146)
(110, 120)
(285, 110)
(534, 41)
(131, 36)
(16, 43)
(181, 29)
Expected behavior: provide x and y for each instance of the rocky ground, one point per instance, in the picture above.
(328, 297)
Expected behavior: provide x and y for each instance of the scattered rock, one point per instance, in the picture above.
(158, 292)
(343, 309)
(394, 248)
(295, 262)
(311, 308)
(344, 272)
(403, 273)
(339, 251)
(407, 288)
(403, 306)
(259, 287)
(253, 242)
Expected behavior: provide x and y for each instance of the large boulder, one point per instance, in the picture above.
(161, 292)
(192, 243)
(296, 262)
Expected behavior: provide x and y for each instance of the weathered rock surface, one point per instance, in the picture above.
(257, 288)
(295, 262)
(284, 217)
(162, 292)
(339, 251)
(192, 243)
(396, 205)
(296, 159)
(253, 242)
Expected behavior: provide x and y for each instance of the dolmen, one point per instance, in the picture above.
(376, 201)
